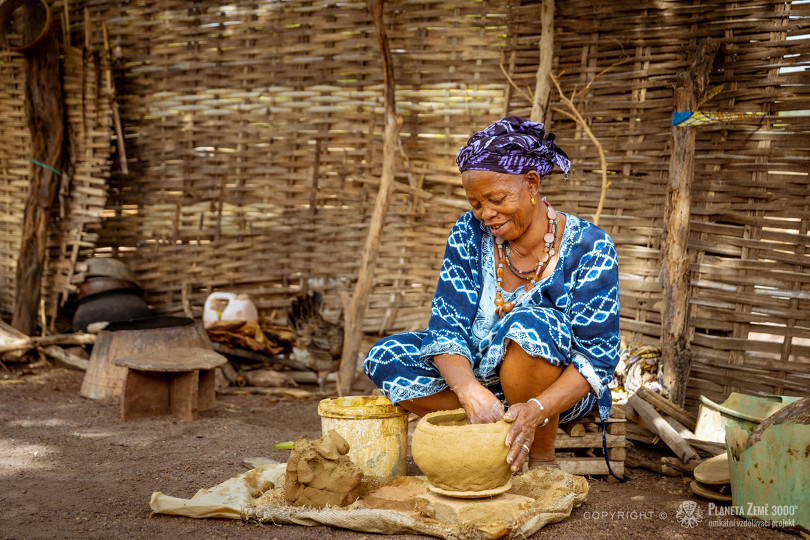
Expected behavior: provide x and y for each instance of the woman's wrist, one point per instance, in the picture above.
(537, 402)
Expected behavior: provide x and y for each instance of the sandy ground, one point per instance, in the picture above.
(70, 467)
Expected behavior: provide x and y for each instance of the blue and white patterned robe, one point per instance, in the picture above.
(570, 316)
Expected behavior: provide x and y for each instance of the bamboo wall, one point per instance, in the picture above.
(254, 138)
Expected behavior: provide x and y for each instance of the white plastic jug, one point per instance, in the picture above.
(228, 306)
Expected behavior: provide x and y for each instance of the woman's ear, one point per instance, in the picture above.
(533, 180)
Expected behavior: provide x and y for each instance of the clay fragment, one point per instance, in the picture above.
(319, 473)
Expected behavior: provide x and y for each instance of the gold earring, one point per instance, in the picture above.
(533, 201)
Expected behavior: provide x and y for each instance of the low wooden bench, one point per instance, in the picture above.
(178, 381)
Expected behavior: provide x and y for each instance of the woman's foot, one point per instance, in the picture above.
(544, 463)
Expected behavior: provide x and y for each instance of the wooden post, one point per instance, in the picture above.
(357, 305)
(44, 107)
(542, 90)
(676, 357)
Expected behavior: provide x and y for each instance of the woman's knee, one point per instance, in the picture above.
(519, 368)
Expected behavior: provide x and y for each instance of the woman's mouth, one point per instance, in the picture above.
(495, 229)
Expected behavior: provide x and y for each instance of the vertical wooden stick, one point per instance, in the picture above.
(357, 305)
(543, 87)
(676, 357)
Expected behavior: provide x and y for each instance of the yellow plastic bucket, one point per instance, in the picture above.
(375, 428)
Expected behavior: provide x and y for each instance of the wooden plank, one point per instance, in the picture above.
(183, 394)
(144, 394)
(657, 423)
(588, 440)
(667, 407)
(206, 392)
(710, 448)
(587, 466)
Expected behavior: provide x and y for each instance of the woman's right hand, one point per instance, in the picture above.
(481, 405)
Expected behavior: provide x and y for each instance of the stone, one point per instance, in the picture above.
(502, 508)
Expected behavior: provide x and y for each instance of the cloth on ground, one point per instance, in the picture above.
(258, 495)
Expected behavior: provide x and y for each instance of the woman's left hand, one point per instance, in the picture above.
(525, 418)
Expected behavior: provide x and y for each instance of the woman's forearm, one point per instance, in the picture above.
(480, 404)
(565, 392)
(456, 370)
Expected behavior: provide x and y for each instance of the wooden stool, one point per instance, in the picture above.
(169, 381)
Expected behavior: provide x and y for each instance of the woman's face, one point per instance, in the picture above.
(501, 201)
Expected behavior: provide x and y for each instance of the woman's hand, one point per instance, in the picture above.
(481, 405)
(525, 418)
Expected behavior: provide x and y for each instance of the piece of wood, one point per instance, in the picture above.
(79, 338)
(617, 454)
(144, 394)
(574, 430)
(588, 465)
(240, 353)
(638, 459)
(588, 440)
(353, 329)
(676, 357)
(657, 423)
(542, 91)
(268, 377)
(206, 390)
(285, 392)
(66, 358)
(45, 111)
(616, 428)
(667, 407)
(173, 359)
(679, 465)
(184, 394)
(703, 447)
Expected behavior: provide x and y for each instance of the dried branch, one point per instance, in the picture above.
(577, 117)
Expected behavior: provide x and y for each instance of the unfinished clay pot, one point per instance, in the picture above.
(457, 456)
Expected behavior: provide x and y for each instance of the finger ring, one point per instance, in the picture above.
(525, 448)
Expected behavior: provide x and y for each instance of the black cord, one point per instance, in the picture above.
(623, 478)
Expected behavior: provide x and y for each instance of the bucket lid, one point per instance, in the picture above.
(356, 407)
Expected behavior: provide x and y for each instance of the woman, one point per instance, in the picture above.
(526, 309)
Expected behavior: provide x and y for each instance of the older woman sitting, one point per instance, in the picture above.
(526, 310)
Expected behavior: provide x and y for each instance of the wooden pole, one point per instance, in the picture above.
(44, 107)
(676, 356)
(542, 90)
(357, 305)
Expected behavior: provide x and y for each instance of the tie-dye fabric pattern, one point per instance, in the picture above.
(571, 316)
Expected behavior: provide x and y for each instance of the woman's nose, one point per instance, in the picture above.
(488, 212)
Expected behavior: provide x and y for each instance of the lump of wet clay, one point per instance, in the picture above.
(319, 473)
(458, 456)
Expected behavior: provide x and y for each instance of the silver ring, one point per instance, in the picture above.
(526, 448)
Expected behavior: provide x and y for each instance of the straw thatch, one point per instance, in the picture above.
(254, 138)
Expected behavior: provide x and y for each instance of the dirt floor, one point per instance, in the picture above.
(70, 467)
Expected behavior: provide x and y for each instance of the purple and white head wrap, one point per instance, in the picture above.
(512, 145)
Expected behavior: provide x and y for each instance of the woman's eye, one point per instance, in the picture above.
(499, 201)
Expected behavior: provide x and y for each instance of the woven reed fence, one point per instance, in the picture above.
(254, 137)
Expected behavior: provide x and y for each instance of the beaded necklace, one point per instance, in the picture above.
(549, 239)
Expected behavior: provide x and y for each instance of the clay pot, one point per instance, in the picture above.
(100, 284)
(458, 456)
(101, 266)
